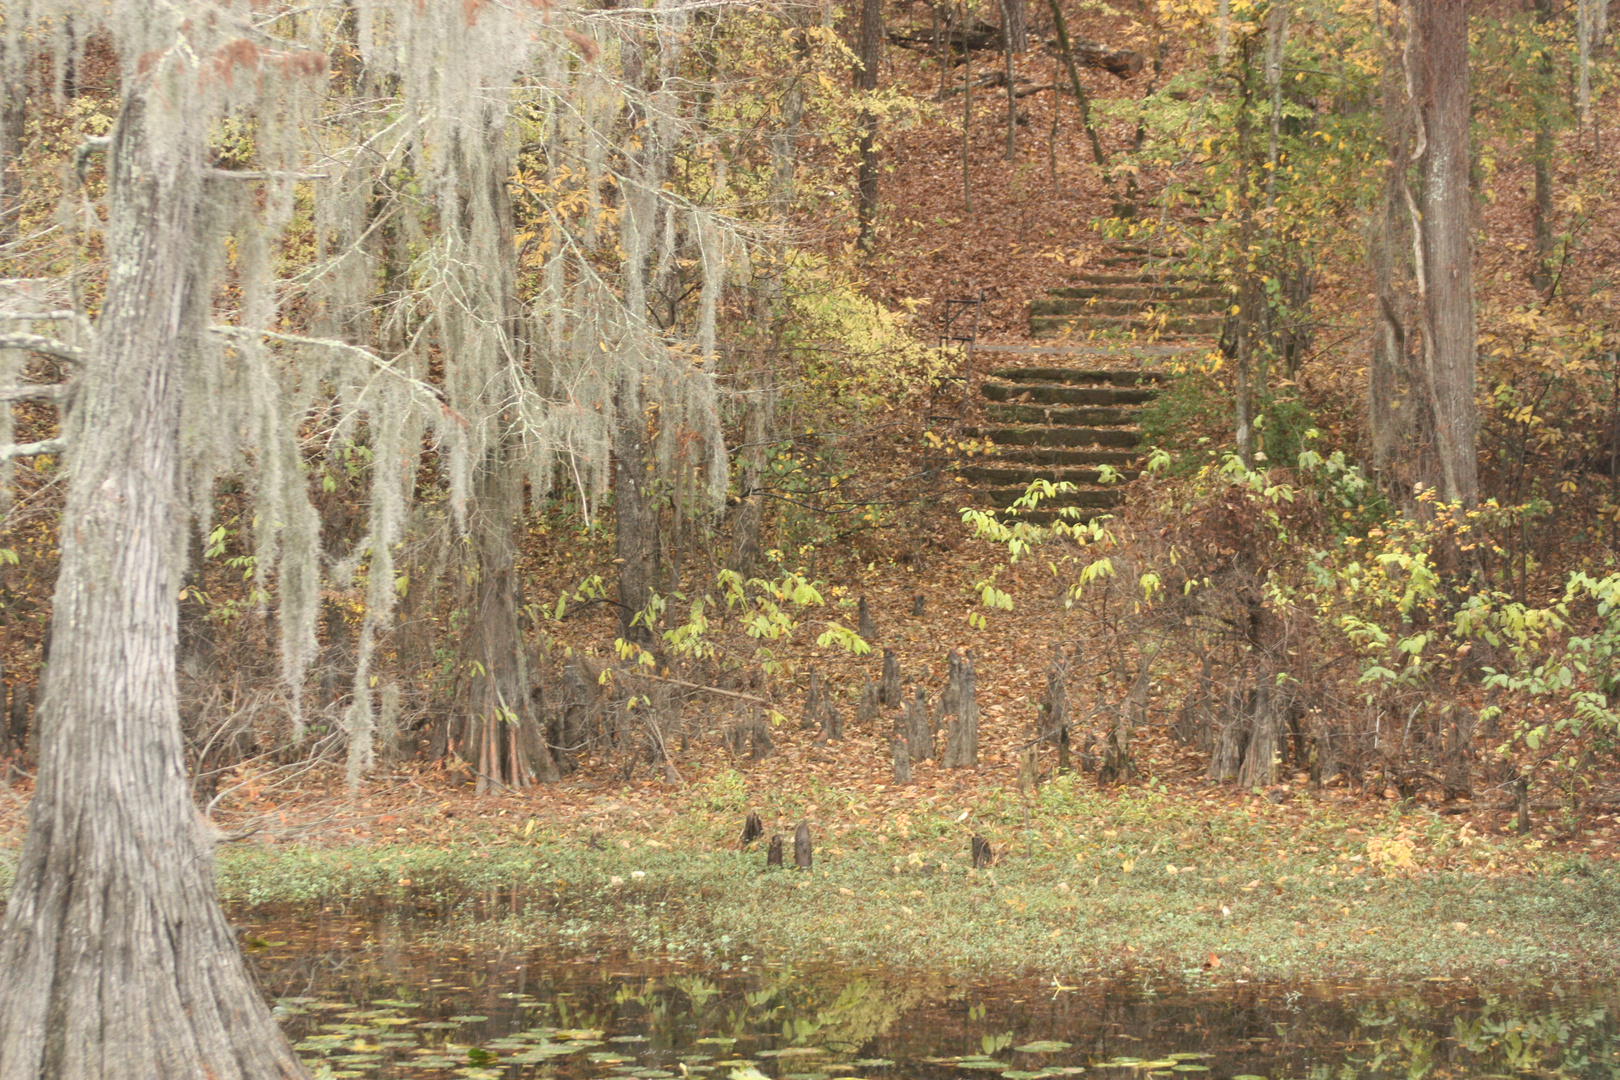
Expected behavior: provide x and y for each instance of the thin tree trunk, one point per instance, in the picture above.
(1012, 91)
(1541, 151)
(870, 52)
(118, 961)
(1391, 409)
(635, 515)
(967, 118)
(1080, 96)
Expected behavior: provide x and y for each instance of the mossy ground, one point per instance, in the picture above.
(1084, 885)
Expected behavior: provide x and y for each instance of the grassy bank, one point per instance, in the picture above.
(1083, 884)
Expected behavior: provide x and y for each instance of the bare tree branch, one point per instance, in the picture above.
(39, 343)
(47, 392)
(33, 449)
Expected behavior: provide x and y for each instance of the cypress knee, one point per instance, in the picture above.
(889, 687)
(801, 846)
(902, 760)
(866, 627)
(753, 829)
(773, 857)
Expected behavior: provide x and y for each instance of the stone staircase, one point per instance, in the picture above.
(1061, 412)
(1129, 299)
(1059, 423)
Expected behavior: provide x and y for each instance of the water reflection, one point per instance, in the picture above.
(390, 994)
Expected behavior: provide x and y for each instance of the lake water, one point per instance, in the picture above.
(392, 994)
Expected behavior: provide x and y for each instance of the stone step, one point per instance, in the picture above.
(1141, 277)
(1045, 515)
(1057, 457)
(1147, 290)
(1005, 475)
(1095, 416)
(1091, 498)
(1054, 436)
(1058, 394)
(1053, 325)
(1082, 376)
(1145, 309)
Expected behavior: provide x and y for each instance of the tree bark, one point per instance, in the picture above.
(1440, 84)
(635, 515)
(118, 960)
(869, 50)
(13, 115)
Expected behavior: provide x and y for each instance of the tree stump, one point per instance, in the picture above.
(983, 854)
(902, 760)
(889, 687)
(866, 627)
(773, 856)
(801, 846)
(960, 712)
(753, 829)
(919, 728)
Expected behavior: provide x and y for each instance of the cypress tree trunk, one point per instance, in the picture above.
(118, 961)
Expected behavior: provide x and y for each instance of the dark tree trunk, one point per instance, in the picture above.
(869, 50)
(635, 515)
(118, 961)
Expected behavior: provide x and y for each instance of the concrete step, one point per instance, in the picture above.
(1095, 416)
(1147, 290)
(1045, 515)
(1140, 277)
(1080, 376)
(1059, 457)
(999, 475)
(1053, 325)
(1091, 498)
(1054, 436)
(1053, 394)
(1146, 309)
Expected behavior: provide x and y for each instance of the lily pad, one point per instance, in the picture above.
(1042, 1046)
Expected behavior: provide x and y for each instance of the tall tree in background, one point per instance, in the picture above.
(1438, 63)
(1422, 410)
(869, 52)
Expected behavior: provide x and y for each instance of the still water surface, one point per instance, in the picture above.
(392, 995)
